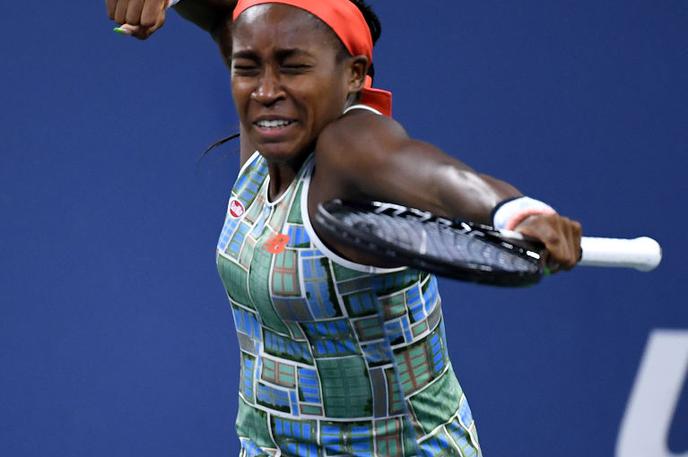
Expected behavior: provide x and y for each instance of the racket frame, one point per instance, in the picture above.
(465, 271)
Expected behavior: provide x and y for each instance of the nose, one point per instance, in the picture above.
(269, 90)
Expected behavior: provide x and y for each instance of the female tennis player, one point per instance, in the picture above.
(341, 355)
(141, 18)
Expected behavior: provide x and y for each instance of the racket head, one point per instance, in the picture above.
(451, 248)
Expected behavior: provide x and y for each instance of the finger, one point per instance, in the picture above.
(134, 12)
(557, 244)
(121, 11)
(144, 32)
(571, 243)
(568, 256)
(541, 228)
(160, 22)
(152, 10)
(560, 235)
(110, 5)
(551, 268)
(551, 234)
(127, 29)
(141, 33)
(575, 238)
(571, 246)
(569, 253)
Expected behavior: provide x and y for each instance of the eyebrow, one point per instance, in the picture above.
(244, 55)
(280, 54)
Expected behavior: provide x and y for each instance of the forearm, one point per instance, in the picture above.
(422, 176)
(469, 195)
(209, 15)
(369, 157)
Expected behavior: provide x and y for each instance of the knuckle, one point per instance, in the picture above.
(552, 239)
(577, 227)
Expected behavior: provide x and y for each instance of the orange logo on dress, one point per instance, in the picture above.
(236, 209)
(277, 243)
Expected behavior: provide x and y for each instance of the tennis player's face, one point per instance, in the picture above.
(288, 79)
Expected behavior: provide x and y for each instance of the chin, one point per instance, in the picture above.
(280, 152)
(283, 149)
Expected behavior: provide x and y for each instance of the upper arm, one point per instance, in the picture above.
(369, 157)
(365, 156)
(357, 148)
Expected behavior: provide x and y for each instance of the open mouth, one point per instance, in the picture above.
(273, 124)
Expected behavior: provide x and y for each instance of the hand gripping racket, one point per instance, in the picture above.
(464, 250)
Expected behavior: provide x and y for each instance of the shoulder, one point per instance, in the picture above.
(361, 126)
(359, 139)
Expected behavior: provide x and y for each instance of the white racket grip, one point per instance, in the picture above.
(641, 253)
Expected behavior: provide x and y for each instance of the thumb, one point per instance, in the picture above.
(127, 29)
(138, 31)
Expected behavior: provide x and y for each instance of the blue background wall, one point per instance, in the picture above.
(115, 335)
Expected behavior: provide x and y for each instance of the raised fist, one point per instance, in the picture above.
(139, 18)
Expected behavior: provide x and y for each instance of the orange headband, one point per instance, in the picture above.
(347, 22)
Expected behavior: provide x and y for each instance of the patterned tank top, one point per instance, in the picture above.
(337, 358)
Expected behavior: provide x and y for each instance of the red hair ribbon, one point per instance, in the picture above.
(348, 23)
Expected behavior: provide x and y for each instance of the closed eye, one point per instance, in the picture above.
(244, 68)
(296, 67)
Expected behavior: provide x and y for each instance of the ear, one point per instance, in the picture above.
(358, 69)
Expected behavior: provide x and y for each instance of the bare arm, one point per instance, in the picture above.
(142, 18)
(381, 162)
(378, 161)
(210, 15)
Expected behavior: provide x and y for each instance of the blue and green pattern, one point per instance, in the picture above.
(335, 359)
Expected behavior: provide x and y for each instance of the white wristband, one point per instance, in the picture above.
(171, 3)
(510, 213)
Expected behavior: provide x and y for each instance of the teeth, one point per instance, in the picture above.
(272, 124)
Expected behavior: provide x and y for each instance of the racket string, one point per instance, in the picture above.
(441, 242)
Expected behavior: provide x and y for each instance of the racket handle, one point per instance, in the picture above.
(642, 253)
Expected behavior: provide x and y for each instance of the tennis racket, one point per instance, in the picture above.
(464, 250)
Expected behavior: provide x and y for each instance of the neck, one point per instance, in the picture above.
(282, 174)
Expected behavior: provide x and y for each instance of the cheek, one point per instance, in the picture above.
(241, 94)
(329, 99)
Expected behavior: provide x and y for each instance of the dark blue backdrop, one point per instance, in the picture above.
(115, 335)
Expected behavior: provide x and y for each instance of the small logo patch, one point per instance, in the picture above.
(236, 208)
(277, 243)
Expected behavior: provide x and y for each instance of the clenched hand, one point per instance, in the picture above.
(560, 235)
(139, 18)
